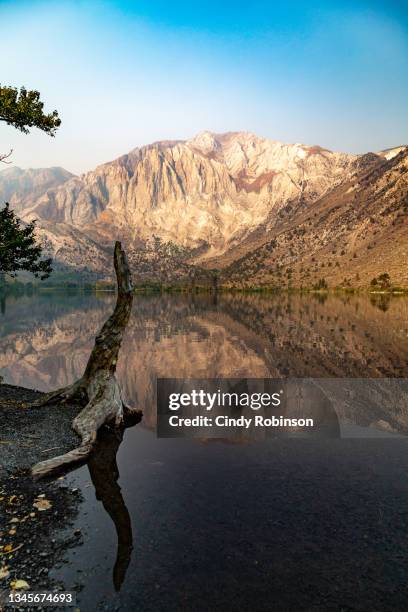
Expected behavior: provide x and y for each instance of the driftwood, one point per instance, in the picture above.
(98, 389)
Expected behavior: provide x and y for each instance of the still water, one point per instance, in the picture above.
(277, 524)
(45, 339)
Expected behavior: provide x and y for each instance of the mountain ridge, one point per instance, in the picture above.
(211, 199)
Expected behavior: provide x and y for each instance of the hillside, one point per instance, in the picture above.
(349, 236)
(22, 187)
(264, 211)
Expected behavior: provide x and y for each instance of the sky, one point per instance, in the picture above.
(123, 74)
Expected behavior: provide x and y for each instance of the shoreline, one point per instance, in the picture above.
(37, 515)
(367, 477)
(153, 289)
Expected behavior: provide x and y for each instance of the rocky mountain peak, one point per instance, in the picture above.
(205, 142)
(393, 152)
(206, 196)
(20, 187)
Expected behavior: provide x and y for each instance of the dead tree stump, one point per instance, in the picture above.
(98, 389)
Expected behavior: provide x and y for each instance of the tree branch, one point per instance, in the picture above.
(4, 156)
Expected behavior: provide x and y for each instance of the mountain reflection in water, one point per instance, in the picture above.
(45, 341)
(317, 522)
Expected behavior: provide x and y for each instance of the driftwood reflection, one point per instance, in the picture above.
(104, 474)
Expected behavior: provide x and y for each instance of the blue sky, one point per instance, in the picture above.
(123, 74)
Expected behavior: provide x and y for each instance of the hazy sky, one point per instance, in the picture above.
(123, 74)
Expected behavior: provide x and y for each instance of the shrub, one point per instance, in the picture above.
(321, 284)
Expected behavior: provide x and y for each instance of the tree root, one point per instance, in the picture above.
(75, 392)
(98, 389)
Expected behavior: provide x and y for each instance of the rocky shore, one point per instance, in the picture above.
(35, 517)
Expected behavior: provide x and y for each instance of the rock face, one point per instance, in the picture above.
(349, 236)
(207, 190)
(207, 196)
(22, 187)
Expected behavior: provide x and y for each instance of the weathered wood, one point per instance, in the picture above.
(107, 343)
(98, 388)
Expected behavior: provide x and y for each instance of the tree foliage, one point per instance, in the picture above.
(19, 249)
(23, 109)
(382, 282)
(321, 284)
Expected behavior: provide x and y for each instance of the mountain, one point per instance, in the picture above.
(207, 191)
(21, 187)
(349, 236)
(216, 201)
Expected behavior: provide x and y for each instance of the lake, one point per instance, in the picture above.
(270, 523)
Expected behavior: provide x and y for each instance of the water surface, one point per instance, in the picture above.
(270, 524)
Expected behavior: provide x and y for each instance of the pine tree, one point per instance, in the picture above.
(24, 109)
(19, 249)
